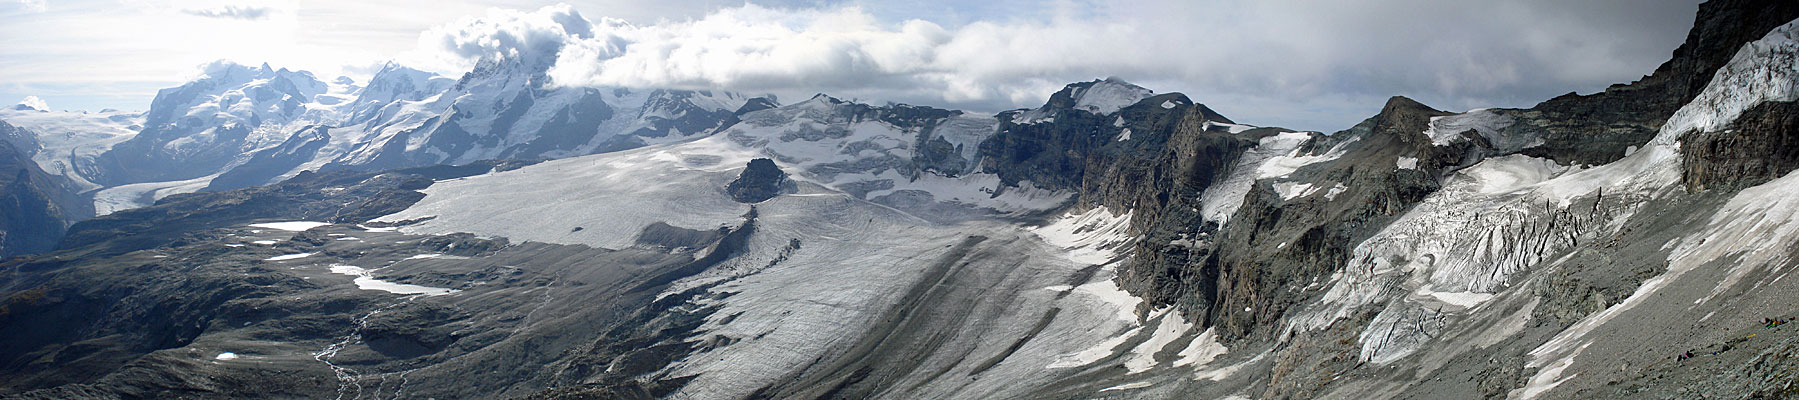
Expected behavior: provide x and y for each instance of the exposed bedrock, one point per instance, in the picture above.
(1761, 145)
(760, 181)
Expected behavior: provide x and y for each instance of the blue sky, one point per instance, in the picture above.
(1299, 64)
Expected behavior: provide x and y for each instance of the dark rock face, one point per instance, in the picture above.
(760, 181)
(1061, 153)
(1599, 128)
(1762, 144)
(29, 221)
(35, 207)
(1162, 189)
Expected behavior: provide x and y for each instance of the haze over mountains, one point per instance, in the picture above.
(262, 232)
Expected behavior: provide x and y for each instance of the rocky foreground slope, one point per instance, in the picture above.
(1113, 243)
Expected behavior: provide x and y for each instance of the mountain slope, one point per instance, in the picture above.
(33, 204)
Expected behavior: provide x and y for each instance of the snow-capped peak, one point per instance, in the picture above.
(389, 87)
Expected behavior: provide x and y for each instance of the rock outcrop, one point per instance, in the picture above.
(761, 180)
(1761, 145)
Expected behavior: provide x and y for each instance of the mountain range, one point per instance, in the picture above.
(260, 232)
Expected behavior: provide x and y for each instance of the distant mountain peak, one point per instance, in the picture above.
(32, 103)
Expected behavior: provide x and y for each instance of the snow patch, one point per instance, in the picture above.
(1092, 354)
(1407, 163)
(226, 356)
(1232, 128)
(1108, 293)
(1091, 237)
(1143, 356)
(1458, 299)
(1291, 190)
(365, 281)
(1280, 167)
(1127, 386)
(1335, 190)
(435, 256)
(1222, 199)
(1202, 349)
(289, 257)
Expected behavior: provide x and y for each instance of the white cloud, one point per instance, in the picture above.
(35, 103)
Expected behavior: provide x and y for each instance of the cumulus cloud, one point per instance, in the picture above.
(35, 103)
(231, 12)
(1457, 55)
(535, 37)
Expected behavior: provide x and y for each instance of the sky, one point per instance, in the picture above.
(1298, 64)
